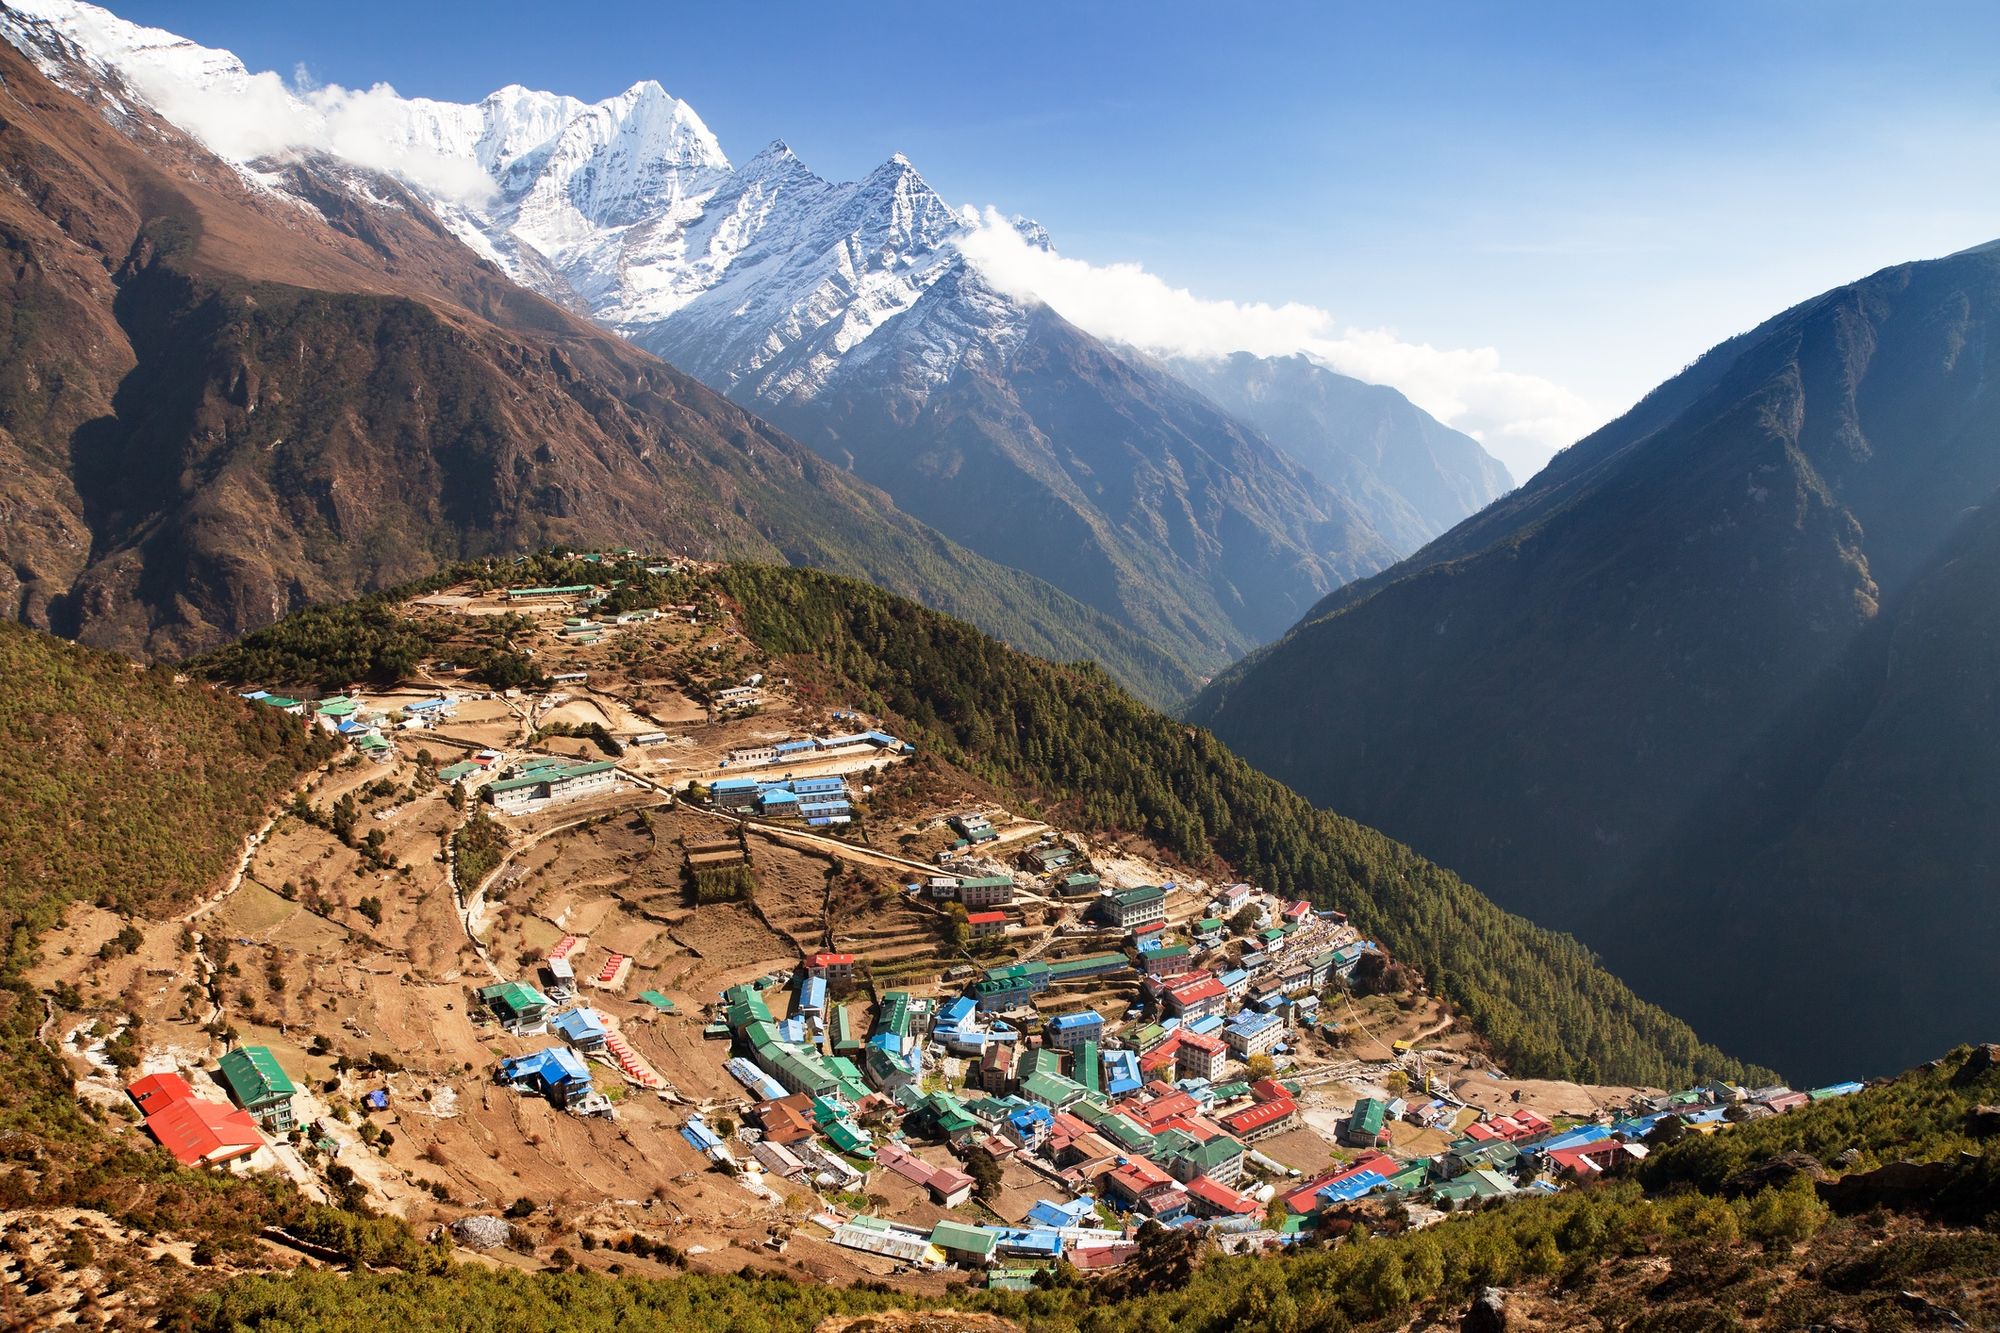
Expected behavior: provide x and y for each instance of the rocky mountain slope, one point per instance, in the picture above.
(224, 398)
(1668, 692)
(845, 310)
(1410, 475)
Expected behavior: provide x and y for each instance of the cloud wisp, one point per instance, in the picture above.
(1521, 419)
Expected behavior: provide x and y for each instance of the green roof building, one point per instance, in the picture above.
(959, 1239)
(516, 1004)
(260, 1086)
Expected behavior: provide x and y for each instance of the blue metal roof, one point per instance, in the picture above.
(1073, 1022)
(580, 1024)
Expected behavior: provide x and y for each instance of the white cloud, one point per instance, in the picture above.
(244, 116)
(1521, 419)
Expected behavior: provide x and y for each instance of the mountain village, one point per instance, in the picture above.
(741, 951)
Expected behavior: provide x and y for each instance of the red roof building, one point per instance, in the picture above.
(157, 1090)
(832, 966)
(1299, 912)
(197, 1131)
(1216, 1200)
(1097, 1258)
(1165, 1107)
(1262, 1120)
(983, 924)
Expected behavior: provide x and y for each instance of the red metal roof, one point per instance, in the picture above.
(1221, 1197)
(156, 1091)
(1256, 1117)
(198, 1132)
(985, 918)
(830, 960)
(1095, 1257)
(1195, 994)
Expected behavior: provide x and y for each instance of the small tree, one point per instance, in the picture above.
(985, 1173)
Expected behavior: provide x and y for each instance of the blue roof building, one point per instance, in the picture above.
(581, 1026)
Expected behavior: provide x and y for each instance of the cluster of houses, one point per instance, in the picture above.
(1160, 1119)
(557, 1073)
(201, 1131)
(801, 748)
(816, 801)
(358, 724)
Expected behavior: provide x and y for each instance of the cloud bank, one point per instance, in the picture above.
(1521, 419)
(244, 116)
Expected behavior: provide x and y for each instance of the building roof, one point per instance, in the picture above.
(514, 997)
(198, 1131)
(581, 1024)
(157, 1090)
(1220, 1197)
(985, 918)
(254, 1075)
(1073, 1022)
(1252, 1118)
(1140, 896)
(963, 1238)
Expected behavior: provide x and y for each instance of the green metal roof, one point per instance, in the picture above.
(254, 1076)
(517, 998)
(551, 772)
(657, 1000)
(1145, 893)
(965, 1239)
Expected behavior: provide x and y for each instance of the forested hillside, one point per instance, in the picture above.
(1709, 690)
(1069, 736)
(134, 792)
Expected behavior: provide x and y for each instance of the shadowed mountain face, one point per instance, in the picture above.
(1409, 474)
(1634, 697)
(217, 405)
(1039, 447)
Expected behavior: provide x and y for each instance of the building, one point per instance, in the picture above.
(973, 827)
(1135, 907)
(984, 924)
(837, 968)
(965, 1244)
(583, 1028)
(996, 1068)
(786, 1119)
(1010, 986)
(1193, 998)
(1066, 1032)
(196, 1130)
(1200, 1056)
(1252, 1033)
(260, 1086)
(1367, 1125)
(555, 1072)
(520, 1008)
(738, 696)
(552, 782)
(1169, 960)
(1261, 1121)
(986, 891)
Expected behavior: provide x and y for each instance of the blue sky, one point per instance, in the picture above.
(1598, 192)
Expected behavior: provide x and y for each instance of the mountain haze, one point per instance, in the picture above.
(1551, 697)
(1410, 475)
